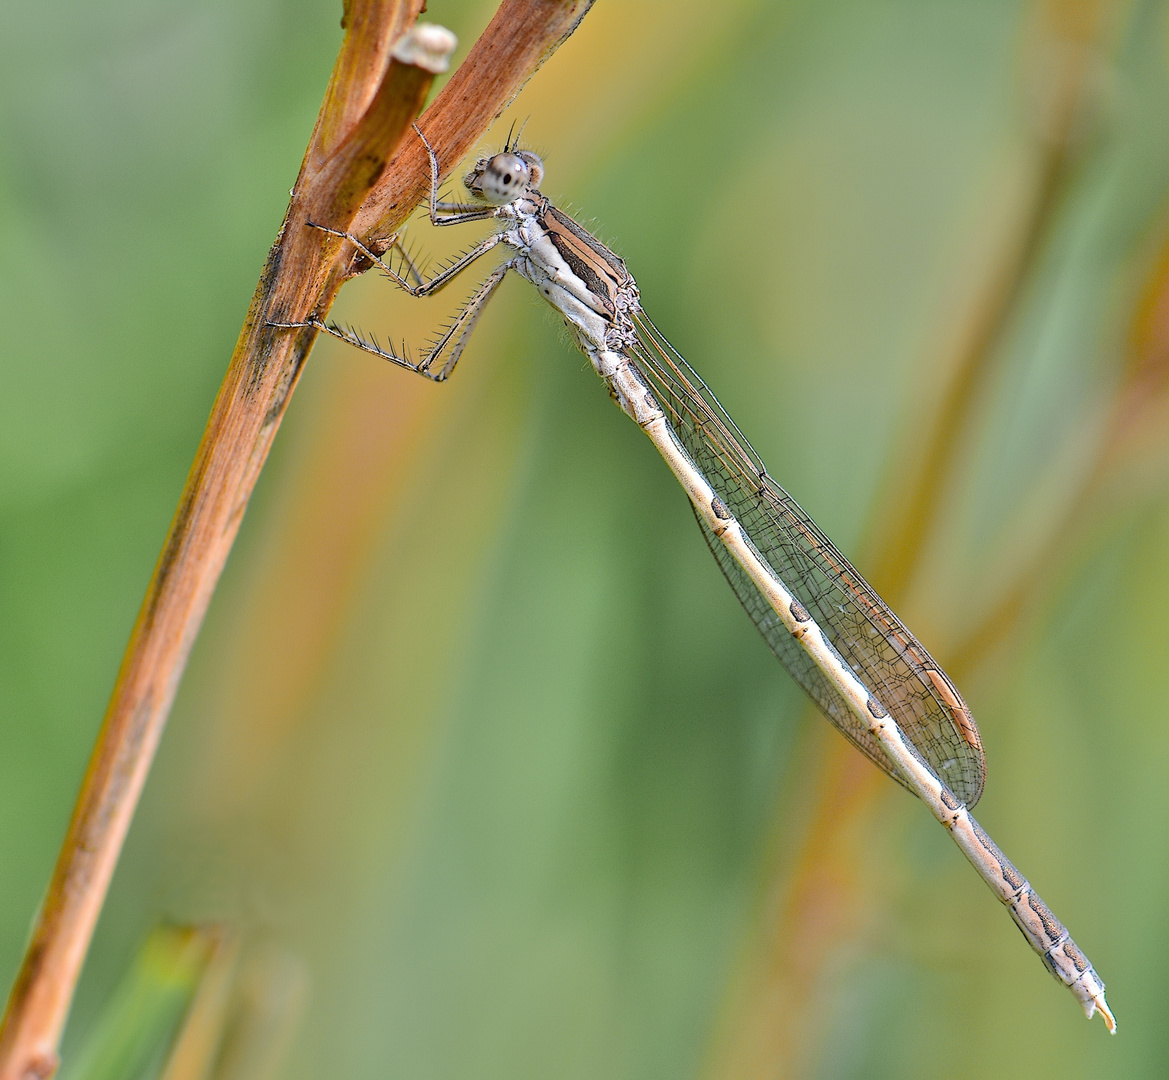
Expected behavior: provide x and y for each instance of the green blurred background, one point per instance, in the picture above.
(477, 751)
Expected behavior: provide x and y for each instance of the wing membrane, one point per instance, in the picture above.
(886, 657)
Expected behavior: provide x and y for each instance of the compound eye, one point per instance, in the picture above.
(505, 178)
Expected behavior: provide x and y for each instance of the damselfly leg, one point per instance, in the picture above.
(453, 338)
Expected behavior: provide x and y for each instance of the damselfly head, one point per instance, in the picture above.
(504, 177)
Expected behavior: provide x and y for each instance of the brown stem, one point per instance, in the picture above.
(368, 107)
(515, 43)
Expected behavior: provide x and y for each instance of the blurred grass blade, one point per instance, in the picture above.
(197, 1045)
(131, 1037)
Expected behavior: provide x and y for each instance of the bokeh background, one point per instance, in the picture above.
(477, 754)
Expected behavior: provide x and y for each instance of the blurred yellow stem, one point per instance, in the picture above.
(771, 1030)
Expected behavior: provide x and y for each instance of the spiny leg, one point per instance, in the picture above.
(369, 254)
(351, 337)
(456, 213)
(446, 276)
(407, 261)
(454, 337)
(462, 324)
(423, 288)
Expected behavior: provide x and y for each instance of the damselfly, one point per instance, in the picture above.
(836, 637)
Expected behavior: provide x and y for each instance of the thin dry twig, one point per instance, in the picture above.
(369, 105)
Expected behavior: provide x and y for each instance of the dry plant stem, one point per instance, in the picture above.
(521, 36)
(368, 107)
(371, 29)
(247, 412)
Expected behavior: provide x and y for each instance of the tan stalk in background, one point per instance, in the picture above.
(812, 898)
